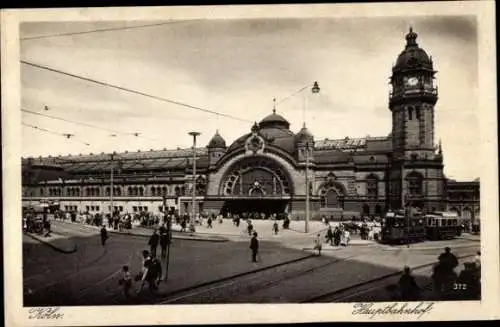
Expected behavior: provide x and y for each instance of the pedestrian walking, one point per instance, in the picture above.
(126, 281)
(337, 233)
(275, 228)
(104, 235)
(153, 243)
(148, 273)
(209, 222)
(250, 227)
(254, 246)
(329, 236)
(318, 244)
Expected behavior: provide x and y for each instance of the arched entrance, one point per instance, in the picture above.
(256, 185)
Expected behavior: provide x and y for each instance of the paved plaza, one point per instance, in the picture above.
(212, 265)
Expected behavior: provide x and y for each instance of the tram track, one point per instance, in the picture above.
(357, 289)
(248, 283)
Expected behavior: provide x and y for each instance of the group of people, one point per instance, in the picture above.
(465, 285)
(151, 272)
(338, 236)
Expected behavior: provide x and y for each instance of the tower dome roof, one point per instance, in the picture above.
(217, 141)
(304, 135)
(412, 57)
(274, 120)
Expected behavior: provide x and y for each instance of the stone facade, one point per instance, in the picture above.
(265, 169)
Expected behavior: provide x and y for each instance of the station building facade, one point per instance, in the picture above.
(264, 170)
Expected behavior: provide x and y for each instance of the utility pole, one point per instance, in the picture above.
(169, 235)
(111, 191)
(193, 209)
(307, 188)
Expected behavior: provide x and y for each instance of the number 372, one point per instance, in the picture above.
(457, 286)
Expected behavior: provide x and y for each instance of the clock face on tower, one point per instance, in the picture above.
(412, 81)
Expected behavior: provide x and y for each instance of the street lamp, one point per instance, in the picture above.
(315, 89)
(111, 184)
(191, 226)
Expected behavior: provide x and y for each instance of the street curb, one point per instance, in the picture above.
(458, 246)
(189, 288)
(179, 237)
(347, 288)
(56, 248)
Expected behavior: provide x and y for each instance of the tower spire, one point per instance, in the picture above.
(411, 38)
(274, 105)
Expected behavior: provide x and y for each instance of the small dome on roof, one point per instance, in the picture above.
(304, 135)
(412, 56)
(217, 141)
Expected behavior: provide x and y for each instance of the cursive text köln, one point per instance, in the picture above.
(45, 313)
(372, 309)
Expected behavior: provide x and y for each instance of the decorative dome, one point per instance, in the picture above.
(217, 141)
(412, 56)
(274, 120)
(304, 135)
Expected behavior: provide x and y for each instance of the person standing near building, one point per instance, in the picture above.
(254, 246)
(153, 243)
(209, 222)
(104, 235)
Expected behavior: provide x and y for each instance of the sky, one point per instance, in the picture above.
(237, 67)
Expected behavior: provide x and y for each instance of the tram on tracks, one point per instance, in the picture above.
(398, 227)
(443, 225)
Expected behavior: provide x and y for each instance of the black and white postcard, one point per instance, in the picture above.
(250, 164)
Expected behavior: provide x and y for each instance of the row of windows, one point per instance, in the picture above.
(117, 191)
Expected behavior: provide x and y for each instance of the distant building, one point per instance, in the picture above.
(264, 170)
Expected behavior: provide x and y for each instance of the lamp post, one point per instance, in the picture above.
(193, 209)
(307, 189)
(111, 184)
(315, 89)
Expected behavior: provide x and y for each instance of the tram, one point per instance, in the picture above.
(442, 225)
(397, 227)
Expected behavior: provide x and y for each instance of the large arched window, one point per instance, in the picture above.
(248, 173)
(372, 187)
(415, 182)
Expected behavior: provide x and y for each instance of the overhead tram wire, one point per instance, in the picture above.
(115, 132)
(134, 91)
(105, 30)
(55, 133)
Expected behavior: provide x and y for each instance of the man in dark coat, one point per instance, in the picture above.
(408, 287)
(153, 243)
(329, 235)
(104, 235)
(336, 236)
(164, 240)
(254, 246)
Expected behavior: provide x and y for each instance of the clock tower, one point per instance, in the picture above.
(411, 101)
